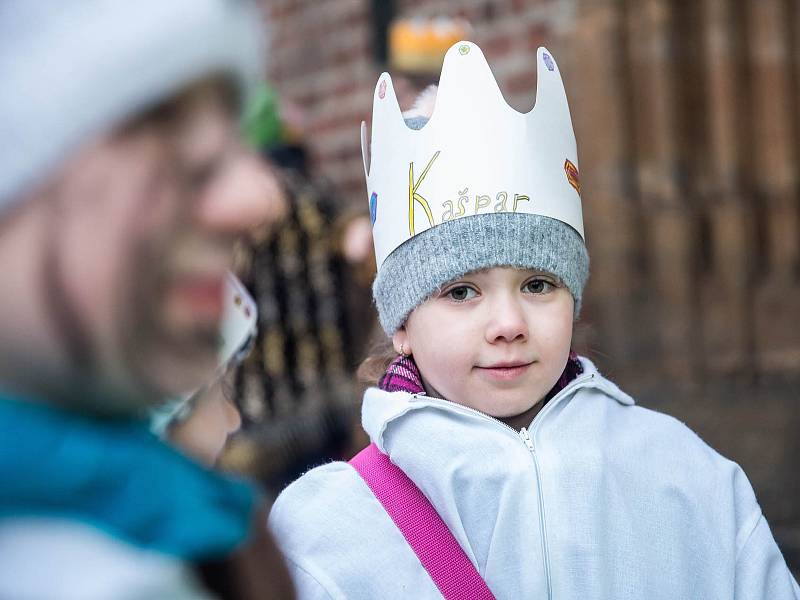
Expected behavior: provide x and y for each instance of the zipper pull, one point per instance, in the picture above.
(523, 433)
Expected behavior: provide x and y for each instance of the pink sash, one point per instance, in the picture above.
(426, 532)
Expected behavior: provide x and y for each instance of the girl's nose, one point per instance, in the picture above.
(244, 194)
(506, 322)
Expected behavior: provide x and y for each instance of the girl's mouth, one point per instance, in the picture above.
(504, 371)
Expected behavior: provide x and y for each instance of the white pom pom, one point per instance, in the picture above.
(423, 105)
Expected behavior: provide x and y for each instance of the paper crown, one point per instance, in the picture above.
(238, 326)
(475, 155)
(417, 46)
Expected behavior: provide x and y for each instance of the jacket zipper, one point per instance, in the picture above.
(528, 441)
(526, 438)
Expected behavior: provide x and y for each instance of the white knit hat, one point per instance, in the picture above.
(73, 69)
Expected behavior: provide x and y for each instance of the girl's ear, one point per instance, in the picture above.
(400, 342)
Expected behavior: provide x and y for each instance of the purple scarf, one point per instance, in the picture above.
(404, 376)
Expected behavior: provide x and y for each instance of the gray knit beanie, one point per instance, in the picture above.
(74, 69)
(419, 267)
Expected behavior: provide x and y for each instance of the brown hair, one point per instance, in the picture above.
(372, 369)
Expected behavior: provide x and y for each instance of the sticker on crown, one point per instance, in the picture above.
(373, 207)
(573, 176)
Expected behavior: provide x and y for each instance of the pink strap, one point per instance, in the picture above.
(426, 532)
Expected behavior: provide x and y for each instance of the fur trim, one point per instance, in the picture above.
(424, 104)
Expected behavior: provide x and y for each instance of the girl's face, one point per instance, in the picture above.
(213, 418)
(495, 340)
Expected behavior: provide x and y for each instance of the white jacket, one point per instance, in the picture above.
(598, 498)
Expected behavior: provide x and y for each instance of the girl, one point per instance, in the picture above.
(553, 483)
(199, 423)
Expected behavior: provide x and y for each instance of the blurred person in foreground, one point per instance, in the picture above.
(123, 189)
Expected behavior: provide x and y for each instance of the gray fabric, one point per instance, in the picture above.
(423, 264)
(416, 122)
(73, 69)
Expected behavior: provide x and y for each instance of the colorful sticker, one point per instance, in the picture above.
(382, 90)
(463, 49)
(373, 207)
(572, 174)
(548, 62)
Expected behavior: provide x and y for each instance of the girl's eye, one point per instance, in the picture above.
(461, 293)
(538, 286)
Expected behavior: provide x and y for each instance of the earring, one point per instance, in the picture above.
(403, 349)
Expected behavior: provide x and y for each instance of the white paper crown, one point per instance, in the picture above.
(239, 320)
(475, 155)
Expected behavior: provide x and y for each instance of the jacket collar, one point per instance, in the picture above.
(381, 408)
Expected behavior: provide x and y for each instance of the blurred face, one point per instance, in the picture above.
(495, 340)
(143, 228)
(205, 431)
